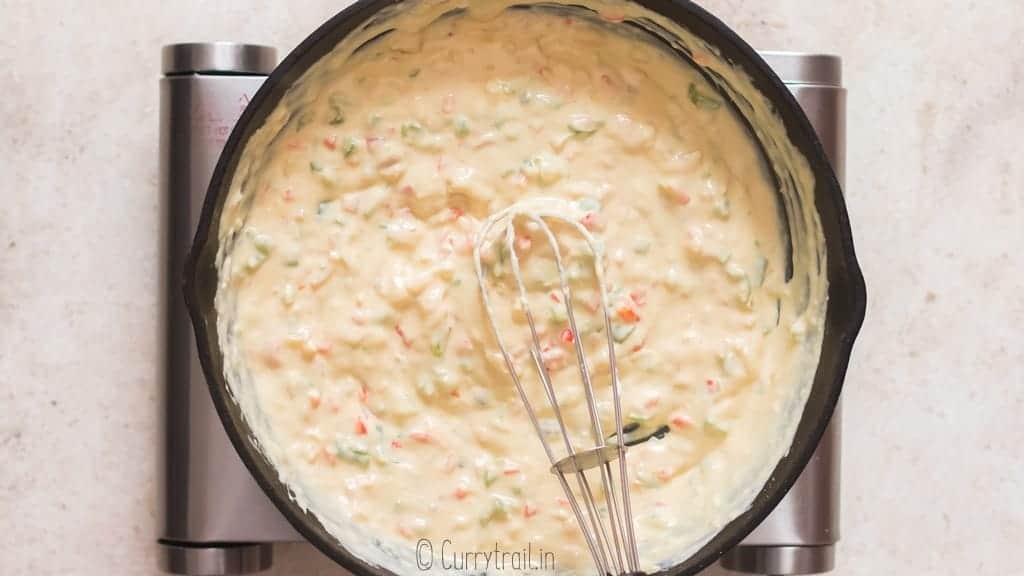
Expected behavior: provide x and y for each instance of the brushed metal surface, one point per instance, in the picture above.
(782, 560)
(796, 68)
(208, 496)
(221, 58)
(222, 561)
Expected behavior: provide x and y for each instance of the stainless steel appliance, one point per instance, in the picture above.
(215, 520)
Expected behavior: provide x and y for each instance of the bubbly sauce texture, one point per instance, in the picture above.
(354, 332)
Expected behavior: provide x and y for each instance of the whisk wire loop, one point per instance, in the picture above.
(615, 553)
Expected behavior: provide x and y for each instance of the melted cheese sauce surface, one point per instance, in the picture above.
(354, 330)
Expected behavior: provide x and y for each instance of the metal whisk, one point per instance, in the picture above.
(611, 540)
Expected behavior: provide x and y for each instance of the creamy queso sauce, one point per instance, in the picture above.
(355, 337)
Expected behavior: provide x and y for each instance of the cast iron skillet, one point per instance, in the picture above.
(846, 291)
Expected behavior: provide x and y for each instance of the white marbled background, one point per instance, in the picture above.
(933, 476)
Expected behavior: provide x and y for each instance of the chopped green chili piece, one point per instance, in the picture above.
(302, 120)
(701, 100)
(622, 332)
(462, 127)
(353, 453)
(439, 342)
(336, 113)
(410, 129)
(350, 147)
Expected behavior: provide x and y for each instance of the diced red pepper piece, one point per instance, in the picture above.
(529, 511)
(360, 427)
(331, 142)
(401, 334)
(567, 336)
(681, 422)
(628, 314)
(422, 437)
(461, 492)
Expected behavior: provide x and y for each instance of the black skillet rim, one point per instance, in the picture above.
(844, 316)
